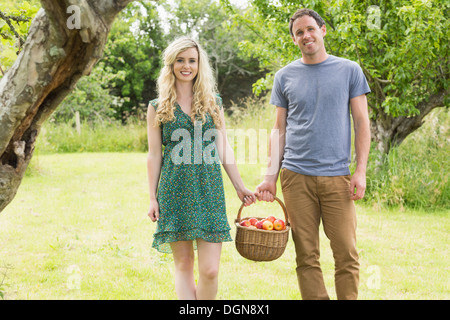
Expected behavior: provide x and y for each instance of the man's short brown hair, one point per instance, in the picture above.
(305, 12)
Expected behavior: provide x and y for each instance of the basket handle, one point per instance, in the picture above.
(279, 202)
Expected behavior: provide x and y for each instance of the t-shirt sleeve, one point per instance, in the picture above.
(358, 82)
(277, 97)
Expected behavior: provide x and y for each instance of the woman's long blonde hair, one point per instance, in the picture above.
(205, 95)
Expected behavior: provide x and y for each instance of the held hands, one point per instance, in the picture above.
(266, 191)
(247, 197)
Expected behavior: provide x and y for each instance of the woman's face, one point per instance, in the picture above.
(185, 66)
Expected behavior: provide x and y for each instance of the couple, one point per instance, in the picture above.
(313, 98)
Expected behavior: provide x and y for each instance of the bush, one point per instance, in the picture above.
(415, 174)
(98, 137)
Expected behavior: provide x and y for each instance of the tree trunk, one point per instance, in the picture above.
(61, 47)
(388, 132)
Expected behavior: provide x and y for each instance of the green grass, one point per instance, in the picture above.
(78, 229)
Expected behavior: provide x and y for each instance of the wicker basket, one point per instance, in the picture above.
(258, 244)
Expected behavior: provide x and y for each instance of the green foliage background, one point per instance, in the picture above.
(10, 45)
(402, 46)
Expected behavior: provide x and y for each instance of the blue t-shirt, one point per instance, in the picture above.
(318, 128)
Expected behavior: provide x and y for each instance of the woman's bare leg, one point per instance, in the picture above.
(208, 266)
(183, 256)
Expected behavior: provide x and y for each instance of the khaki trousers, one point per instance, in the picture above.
(309, 199)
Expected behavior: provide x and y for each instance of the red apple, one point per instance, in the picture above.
(279, 225)
(245, 223)
(271, 218)
(259, 224)
(253, 221)
(267, 225)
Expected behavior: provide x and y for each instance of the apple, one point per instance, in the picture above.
(279, 225)
(259, 224)
(253, 221)
(245, 223)
(271, 218)
(267, 225)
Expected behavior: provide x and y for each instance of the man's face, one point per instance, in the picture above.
(308, 36)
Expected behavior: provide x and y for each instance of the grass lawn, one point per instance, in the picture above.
(78, 229)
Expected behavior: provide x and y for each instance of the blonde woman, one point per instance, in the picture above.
(186, 188)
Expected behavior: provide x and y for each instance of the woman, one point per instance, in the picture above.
(186, 188)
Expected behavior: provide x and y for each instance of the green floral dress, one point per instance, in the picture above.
(190, 192)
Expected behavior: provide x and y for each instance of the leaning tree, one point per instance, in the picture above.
(65, 41)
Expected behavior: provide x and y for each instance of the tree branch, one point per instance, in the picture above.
(403, 126)
(11, 27)
(382, 81)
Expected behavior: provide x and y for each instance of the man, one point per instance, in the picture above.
(312, 96)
